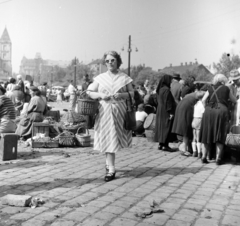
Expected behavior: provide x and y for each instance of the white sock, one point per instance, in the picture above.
(111, 169)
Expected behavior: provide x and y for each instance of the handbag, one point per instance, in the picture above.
(233, 139)
(130, 116)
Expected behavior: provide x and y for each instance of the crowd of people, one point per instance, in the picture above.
(196, 116)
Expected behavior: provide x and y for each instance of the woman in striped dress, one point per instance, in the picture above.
(111, 88)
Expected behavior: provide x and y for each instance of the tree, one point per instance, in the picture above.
(227, 63)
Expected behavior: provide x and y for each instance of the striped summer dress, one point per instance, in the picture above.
(7, 109)
(110, 135)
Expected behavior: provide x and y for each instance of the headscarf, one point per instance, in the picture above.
(165, 80)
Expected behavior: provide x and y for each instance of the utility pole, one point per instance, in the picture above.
(75, 72)
(129, 54)
(51, 76)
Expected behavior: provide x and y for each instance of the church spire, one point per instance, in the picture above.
(5, 36)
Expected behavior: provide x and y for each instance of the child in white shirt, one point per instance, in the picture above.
(196, 125)
(141, 115)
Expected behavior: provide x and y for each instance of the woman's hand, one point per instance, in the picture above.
(117, 96)
(105, 96)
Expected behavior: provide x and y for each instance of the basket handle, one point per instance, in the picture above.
(87, 131)
(232, 127)
(85, 92)
(66, 133)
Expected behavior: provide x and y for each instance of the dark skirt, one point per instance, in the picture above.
(24, 128)
(215, 125)
(182, 124)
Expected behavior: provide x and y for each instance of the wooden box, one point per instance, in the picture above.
(52, 144)
(39, 127)
(8, 146)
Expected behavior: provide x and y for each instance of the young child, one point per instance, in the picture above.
(196, 124)
(141, 115)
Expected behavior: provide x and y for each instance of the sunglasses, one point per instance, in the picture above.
(110, 61)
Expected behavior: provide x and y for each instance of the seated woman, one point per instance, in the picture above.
(7, 113)
(34, 113)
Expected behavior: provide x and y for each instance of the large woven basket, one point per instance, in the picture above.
(150, 135)
(150, 121)
(83, 139)
(87, 106)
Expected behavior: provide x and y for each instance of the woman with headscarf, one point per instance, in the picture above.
(165, 112)
(34, 113)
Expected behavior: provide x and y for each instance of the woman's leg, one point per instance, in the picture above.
(111, 162)
(194, 147)
(199, 145)
(219, 153)
(205, 150)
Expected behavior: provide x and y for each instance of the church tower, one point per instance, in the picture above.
(6, 53)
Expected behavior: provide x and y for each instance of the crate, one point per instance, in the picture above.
(8, 146)
(39, 127)
(36, 144)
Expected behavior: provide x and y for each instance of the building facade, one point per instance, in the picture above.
(5, 55)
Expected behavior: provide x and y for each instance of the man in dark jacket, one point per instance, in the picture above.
(176, 87)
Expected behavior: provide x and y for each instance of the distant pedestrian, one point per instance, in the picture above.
(176, 87)
(72, 90)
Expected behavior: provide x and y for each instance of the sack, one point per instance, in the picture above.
(233, 139)
(130, 116)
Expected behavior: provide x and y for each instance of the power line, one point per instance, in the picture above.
(5, 1)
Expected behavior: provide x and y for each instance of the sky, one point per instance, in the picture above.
(164, 31)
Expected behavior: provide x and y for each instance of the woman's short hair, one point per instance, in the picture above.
(219, 78)
(115, 55)
(12, 80)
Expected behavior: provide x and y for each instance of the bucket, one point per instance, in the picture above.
(150, 121)
(150, 135)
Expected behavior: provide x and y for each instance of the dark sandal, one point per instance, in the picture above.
(109, 176)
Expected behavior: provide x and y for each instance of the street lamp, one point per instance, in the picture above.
(129, 53)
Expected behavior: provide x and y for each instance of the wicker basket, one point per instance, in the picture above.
(150, 135)
(87, 106)
(150, 121)
(83, 139)
(233, 137)
(66, 139)
(74, 128)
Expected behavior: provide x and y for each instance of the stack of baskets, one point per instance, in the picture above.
(149, 126)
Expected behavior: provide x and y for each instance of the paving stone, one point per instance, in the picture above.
(123, 222)
(230, 220)
(62, 222)
(114, 209)
(12, 210)
(204, 222)
(157, 219)
(211, 214)
(34, 222)
(22, 216)
(177, 223)
(76, 216)
(183, 217)
(105, 215)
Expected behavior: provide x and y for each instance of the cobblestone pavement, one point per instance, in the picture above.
(71, 182)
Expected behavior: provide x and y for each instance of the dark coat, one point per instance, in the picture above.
(166, 106)
(176, 89)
